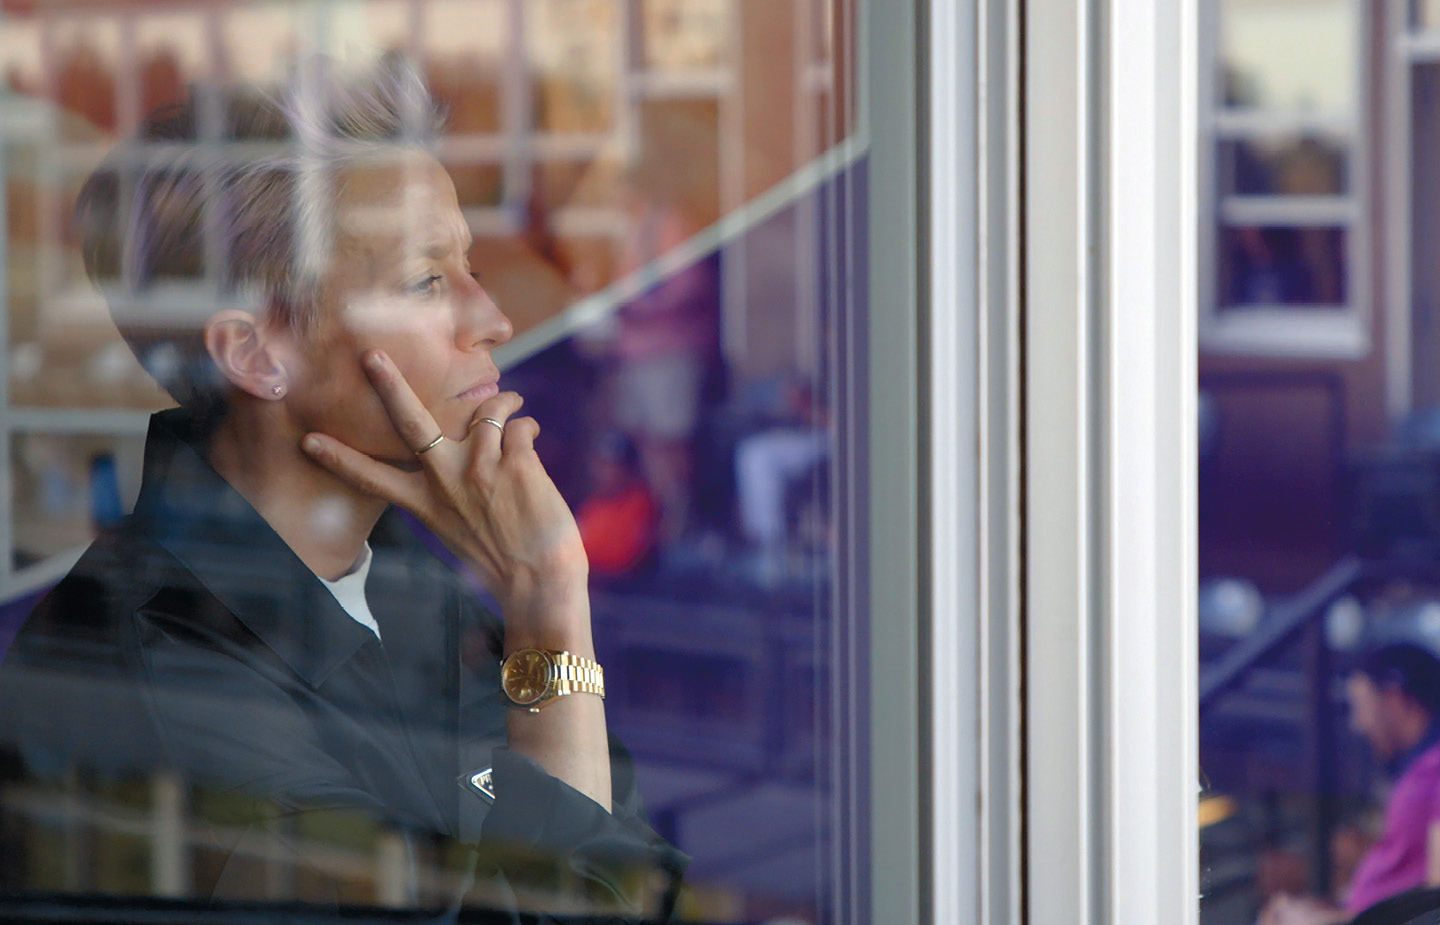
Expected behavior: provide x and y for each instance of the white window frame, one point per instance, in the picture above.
(939, 103)
(1109, 344)
(1061, 308)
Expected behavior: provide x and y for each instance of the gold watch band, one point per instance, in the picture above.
(575, 674)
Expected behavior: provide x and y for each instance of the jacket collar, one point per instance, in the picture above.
(189, 508)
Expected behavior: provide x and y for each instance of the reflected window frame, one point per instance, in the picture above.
(1295, 328)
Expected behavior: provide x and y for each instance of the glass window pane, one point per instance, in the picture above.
(1270, 266)
(84, 67)
(581, 229)
(20, 56)
(573, 50)
(686, 35)
(679, 156)
(1309, 465)
(471, 93)
(1288, 55)
(173, 53)
(467, 29)
(477, 185)
(258, 39)
(381, 24)
(1306, 165)
(67, 487)
(1424, 14)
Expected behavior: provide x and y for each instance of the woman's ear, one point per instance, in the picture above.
(247, 353)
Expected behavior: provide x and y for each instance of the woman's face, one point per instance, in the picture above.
(399, 281)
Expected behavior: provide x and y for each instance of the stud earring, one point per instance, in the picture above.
(277, 390)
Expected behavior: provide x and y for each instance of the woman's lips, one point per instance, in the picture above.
(480, 391)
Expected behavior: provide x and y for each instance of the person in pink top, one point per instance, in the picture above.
(1394, 696)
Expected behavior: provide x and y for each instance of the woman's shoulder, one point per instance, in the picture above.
(113, 577)
(127, 593)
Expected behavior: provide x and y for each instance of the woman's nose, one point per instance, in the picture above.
(482, 323)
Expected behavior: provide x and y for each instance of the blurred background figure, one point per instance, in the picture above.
(1394, 699)
(619, 521)
(665, 350)
(768, 465)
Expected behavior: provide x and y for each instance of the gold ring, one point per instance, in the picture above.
(498, 425)
(430, 446)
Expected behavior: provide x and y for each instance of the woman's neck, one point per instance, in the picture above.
(324, 521)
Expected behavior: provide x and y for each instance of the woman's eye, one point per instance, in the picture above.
(428, 284)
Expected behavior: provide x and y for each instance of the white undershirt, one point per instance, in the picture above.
(349, 591)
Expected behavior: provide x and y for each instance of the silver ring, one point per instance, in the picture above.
(430, 446)
(500, 426)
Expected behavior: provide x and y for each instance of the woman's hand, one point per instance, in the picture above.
(489, 499)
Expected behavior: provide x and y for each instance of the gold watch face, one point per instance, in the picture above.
(527, 676)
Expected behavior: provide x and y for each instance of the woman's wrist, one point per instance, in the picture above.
(553, 614)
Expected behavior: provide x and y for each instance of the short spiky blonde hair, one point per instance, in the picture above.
(242, 184)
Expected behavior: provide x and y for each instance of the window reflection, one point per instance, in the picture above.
(1317, 467)
(374, 23)
(688, 420)
(82, 75)
(576, 70)
(478, 30)
(175, 52)
(1305, 165)
(257, 40)
(1424, 14)
(686, 35)
(1268, 266)
(21, 57)
(1285, 174)
(1283, 55)
(68, 486)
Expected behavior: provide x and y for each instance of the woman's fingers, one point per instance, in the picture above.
(366, 474)
(484, 493)
(489, 425)
(520, 434)
(408, 415)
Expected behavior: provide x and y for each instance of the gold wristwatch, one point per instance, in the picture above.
(532, 678)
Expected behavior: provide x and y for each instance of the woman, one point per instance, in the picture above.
(260, 624)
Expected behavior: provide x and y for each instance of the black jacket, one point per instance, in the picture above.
(191, 640)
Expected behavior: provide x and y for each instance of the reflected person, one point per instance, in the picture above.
(264, 625)
(1394, 695)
